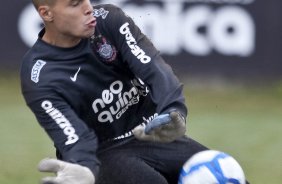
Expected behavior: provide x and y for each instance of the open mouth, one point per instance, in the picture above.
(92, 23)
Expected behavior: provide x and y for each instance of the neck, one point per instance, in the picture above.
(60, 40)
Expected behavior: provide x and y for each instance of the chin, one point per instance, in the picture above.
(89, 33)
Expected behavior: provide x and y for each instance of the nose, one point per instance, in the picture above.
(88, 7)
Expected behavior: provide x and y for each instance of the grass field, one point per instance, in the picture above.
(242, 121)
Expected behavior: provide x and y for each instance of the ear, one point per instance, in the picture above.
(45, 13)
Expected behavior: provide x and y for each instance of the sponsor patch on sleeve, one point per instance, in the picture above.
(35, 72)
(100, 13)
(132, 43)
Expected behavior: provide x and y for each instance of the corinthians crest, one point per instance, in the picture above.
(106, 51)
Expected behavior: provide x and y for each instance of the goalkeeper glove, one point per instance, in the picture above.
(66, 173)
(164, 128)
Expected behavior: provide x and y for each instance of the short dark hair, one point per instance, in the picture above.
(37, 3)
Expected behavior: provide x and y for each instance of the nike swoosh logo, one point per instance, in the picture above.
(75, 75)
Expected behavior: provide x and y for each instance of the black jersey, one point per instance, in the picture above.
(100, 89)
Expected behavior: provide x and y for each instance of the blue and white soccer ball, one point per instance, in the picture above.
(212, 167)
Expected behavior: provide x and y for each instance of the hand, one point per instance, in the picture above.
(164, 128)
(66, 173)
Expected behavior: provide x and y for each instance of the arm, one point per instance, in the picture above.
(145, 62)
(74, 141)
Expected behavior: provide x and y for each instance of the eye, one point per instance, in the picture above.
(75, 2)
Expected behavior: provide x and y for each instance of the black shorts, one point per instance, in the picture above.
(140, 162)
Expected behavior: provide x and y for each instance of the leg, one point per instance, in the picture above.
(121, 167)
(160, 161)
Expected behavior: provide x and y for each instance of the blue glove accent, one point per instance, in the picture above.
(160, 120)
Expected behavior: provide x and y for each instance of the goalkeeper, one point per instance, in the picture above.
(114, 110)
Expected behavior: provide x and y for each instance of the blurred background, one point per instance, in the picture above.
(226, 52)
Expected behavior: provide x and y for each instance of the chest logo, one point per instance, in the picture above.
(104, 48)
(74, 78)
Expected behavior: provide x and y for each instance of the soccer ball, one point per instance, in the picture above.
(211, 167)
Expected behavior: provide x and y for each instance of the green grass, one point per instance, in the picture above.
(22, 141)
(244, 122)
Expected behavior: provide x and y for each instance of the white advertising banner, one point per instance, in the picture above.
(220, 37)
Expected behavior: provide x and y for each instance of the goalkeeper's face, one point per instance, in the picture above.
(72, 18)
